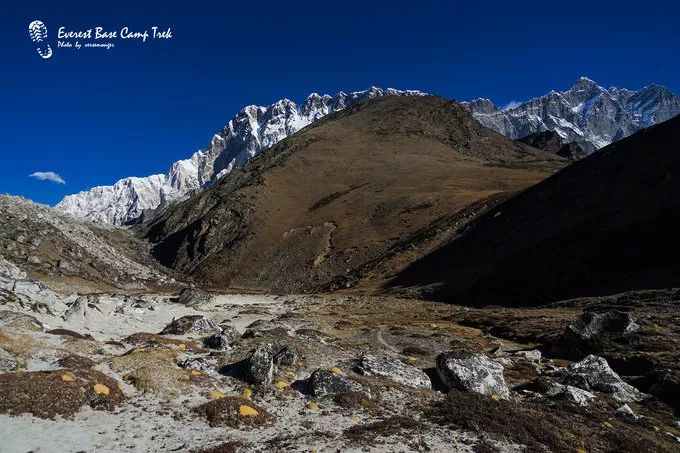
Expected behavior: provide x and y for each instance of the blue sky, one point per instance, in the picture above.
(94, 116)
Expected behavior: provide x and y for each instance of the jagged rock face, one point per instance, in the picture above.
(587, 113)
(552, 142)
(251, 131)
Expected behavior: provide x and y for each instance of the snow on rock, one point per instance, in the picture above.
(251, 131)
(586, 113)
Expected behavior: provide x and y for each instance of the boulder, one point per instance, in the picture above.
(191, 324)
(534, 355)
(596, 373)
(325, 383)
(260, 365)
(393, 370)
(570, 394)
(198, 363)
(286, 357)
(35, 292)
(193, 297)
(76, 311)
(590, 325)
(626, 412)
(222, 341)
(473, 372)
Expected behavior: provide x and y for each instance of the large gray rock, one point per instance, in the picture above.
(571, 395)
(191, 324)
(224, 340)
(35, 292)
(473, 372)
(10, 271)
(590, 325)
(325, 383)
(286, 356)
(76, 312)
(260, 365)
(595, 371)
(193, 297)
(393, 370)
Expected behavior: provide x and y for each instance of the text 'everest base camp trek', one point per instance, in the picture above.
(382, 270)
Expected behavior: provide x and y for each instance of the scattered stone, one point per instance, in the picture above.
(9, 362)
(222, 341)
(191, 324)
(473, 372)
(32, 259)
(286, 357)
(589, 325)
(234, 412)
(534, 355)
(260, 365)
(198, 363)
(599, 376)
(626, 412)
(571, 395)
(10, 271)
(76, 312)
(35, 292)
(35, 242)
(193, 297)
(393, 370)
(324, 383)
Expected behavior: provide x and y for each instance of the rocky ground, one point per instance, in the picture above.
(231, 372)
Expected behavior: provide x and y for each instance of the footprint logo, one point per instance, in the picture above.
(38, 33)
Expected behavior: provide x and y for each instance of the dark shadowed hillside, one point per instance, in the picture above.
(603, 225)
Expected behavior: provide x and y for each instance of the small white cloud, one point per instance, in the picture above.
(512, 105)
(47, 176)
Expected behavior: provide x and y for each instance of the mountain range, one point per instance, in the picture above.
(250, 131)
(586, 113)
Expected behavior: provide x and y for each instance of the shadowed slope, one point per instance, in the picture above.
(603, 225)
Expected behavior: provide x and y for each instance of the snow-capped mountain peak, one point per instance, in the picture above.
(586, 113)
(253, 129)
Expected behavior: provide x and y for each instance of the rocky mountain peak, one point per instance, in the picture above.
(253, 129)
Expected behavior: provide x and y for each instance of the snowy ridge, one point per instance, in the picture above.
(252, 130)
(586, 113)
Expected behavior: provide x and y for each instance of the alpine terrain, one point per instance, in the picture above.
(587, 113)
(342, 193)
(359, 273)
(250, 131)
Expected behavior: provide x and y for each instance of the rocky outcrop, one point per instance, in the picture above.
(260, 365)
(393, 370)
(590, 325)
(594, 373)
(193, 297)
(474, 372)
(327, 383)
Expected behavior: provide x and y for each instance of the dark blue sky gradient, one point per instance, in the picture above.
(95, 116)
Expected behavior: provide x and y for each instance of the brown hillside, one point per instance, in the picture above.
(339, 195)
